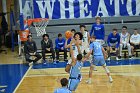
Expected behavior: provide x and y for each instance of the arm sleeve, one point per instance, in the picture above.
(108, 40)
(118, 44)
(91, 46)
(68, 42)
(91, 31)
(56, 44)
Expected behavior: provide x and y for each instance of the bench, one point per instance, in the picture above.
(137, 51)
(125, 51)
(49, 55)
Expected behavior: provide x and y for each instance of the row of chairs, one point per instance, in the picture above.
(125, 52)
(49, 55)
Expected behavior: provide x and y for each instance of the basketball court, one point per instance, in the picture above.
(42, 78)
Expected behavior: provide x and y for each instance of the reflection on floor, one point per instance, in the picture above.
(10, 76)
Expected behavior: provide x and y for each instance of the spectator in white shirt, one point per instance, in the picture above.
(135, 40)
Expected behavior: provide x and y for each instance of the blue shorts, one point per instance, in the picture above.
(73, 84)
(98, 60)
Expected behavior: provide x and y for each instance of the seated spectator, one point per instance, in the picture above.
(98, 31)
(63, 89)
(67, 43)
(124, 41)
(113, 41)
(30, 50)
(47, 47)
(135, 41)
(60, 47)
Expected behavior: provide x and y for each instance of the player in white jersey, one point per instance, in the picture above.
(85, 42)
(85, 39)
(124, 41)
(77, 38)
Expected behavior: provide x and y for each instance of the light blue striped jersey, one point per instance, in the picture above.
(62, 90)
(97, 48)
(76, 69)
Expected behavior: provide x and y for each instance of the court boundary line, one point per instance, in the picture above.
(3, 86)
(42, 69)
(87, 67)
(22, 79)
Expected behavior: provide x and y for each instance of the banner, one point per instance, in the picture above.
(70, 9)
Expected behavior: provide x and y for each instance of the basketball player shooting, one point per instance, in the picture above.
(74, 68)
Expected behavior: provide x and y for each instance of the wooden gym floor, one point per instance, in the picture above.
(46, 80)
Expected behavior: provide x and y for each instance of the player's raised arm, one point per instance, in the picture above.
(66, 44)
(77, 43)
(88, 38)
(103, 50)
(104, 53)
(68, 67)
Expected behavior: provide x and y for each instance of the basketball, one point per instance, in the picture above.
(68, 34)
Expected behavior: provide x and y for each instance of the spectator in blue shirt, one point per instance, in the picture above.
(113, 41)
(67, 43)
(63, 89)
(98, 31)
(60, 47)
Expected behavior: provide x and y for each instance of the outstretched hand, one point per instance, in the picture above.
(84, 59)
(72, 41)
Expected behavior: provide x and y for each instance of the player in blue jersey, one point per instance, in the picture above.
(98, 58)
(63, 89)
(74, 67)
(98, 31)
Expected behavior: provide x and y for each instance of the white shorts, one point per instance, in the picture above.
(86, 49)
(100, 41)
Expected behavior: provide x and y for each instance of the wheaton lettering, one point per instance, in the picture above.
(69, 9)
